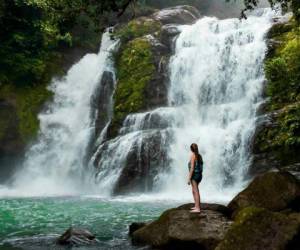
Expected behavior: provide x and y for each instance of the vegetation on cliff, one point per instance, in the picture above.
(34, 37)
(134, 67)
(282, 69)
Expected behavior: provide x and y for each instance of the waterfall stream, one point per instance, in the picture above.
(55, 165)
(216, 84)
(216, 87)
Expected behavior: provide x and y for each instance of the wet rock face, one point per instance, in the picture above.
(76, 237)
(145, 160)
(101, 101)
(263, 161)
(180, 229)
(137, 139)
(275, 191)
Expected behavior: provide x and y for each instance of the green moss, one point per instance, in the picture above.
(282, 70)
(135, 70)
(27, 102)
(257, 228)
(138, 28)
(287, 132)
(6, 120)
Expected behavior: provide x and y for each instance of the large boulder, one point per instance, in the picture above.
(275, 191)
(178, 228)
(257, 228)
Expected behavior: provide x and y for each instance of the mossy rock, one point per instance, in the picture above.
(135, 70)
(138, 28)
(281, 139)
(257, 228)
(27, 102)
(275, 191)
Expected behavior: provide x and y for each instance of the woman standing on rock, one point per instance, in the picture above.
(195, 175)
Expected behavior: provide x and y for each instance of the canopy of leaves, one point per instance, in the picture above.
(32, 31)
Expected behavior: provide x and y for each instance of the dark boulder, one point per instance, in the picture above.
(168, 33)
(178, 228)
(257, 228)
(136, 226)
(145, 160)
(77, 237)
(275, 191)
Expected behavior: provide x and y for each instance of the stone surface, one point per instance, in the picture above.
(77, 237)
(177, 15)
(257, 228)
(209, 206)
(145, 160)
(180, 229)
(102, 102)
(136, 226)
(275, 191)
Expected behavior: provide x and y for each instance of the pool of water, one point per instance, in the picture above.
(35, 223)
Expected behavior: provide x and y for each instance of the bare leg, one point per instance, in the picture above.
(196, 196)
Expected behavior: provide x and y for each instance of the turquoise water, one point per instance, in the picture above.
(34, 223)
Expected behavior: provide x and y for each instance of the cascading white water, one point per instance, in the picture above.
(216, 83)
(216, 87)
(55, 163)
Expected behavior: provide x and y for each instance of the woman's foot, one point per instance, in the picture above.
(192, 208)
(196, 210)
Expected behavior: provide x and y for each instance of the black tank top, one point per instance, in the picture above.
(198, 165)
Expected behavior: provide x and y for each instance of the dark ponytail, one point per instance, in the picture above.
(194, 149)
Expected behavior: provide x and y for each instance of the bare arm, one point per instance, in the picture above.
(192, 168)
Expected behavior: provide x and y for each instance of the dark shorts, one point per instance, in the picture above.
(197, 177)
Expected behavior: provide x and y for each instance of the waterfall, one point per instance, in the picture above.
(55, 163)
(216, 87)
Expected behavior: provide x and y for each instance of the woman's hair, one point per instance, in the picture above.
(194, 149)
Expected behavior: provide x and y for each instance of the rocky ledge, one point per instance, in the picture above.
(263, 216)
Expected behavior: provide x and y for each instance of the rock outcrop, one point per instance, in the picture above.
(276, 143)
(180, 229)
(274, 191)
(263, 216)
(141, 87)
